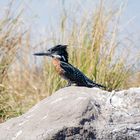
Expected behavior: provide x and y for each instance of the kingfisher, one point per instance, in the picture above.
(67, 71)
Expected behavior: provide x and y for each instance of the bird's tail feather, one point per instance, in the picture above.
(96, 85)
(100, 86)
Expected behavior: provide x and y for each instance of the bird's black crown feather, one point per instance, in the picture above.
(60, 50)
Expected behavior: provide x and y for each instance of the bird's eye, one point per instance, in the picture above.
(50, 51)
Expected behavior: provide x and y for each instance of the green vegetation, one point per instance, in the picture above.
(93, 48)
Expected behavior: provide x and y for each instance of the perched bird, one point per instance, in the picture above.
(73, 75)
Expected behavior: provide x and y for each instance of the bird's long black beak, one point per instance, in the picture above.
(43, 54)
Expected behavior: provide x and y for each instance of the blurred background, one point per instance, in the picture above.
(103, 38)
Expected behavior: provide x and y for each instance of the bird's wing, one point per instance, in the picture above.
(76, 76)
(73, 73)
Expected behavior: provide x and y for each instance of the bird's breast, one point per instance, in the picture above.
(58, 68)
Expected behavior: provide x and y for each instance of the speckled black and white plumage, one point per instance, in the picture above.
(70, 73)
(75, 76)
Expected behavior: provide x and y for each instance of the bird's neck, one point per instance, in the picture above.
(56, 62)
(64, 58)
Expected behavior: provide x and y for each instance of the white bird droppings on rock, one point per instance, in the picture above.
(17, 134)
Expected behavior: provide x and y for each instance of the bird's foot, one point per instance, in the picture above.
(69, 84)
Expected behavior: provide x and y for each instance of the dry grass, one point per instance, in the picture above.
(10, 42)
(93, 48)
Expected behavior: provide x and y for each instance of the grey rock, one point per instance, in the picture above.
(79, 113)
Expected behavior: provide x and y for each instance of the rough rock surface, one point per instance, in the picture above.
(79, 113)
